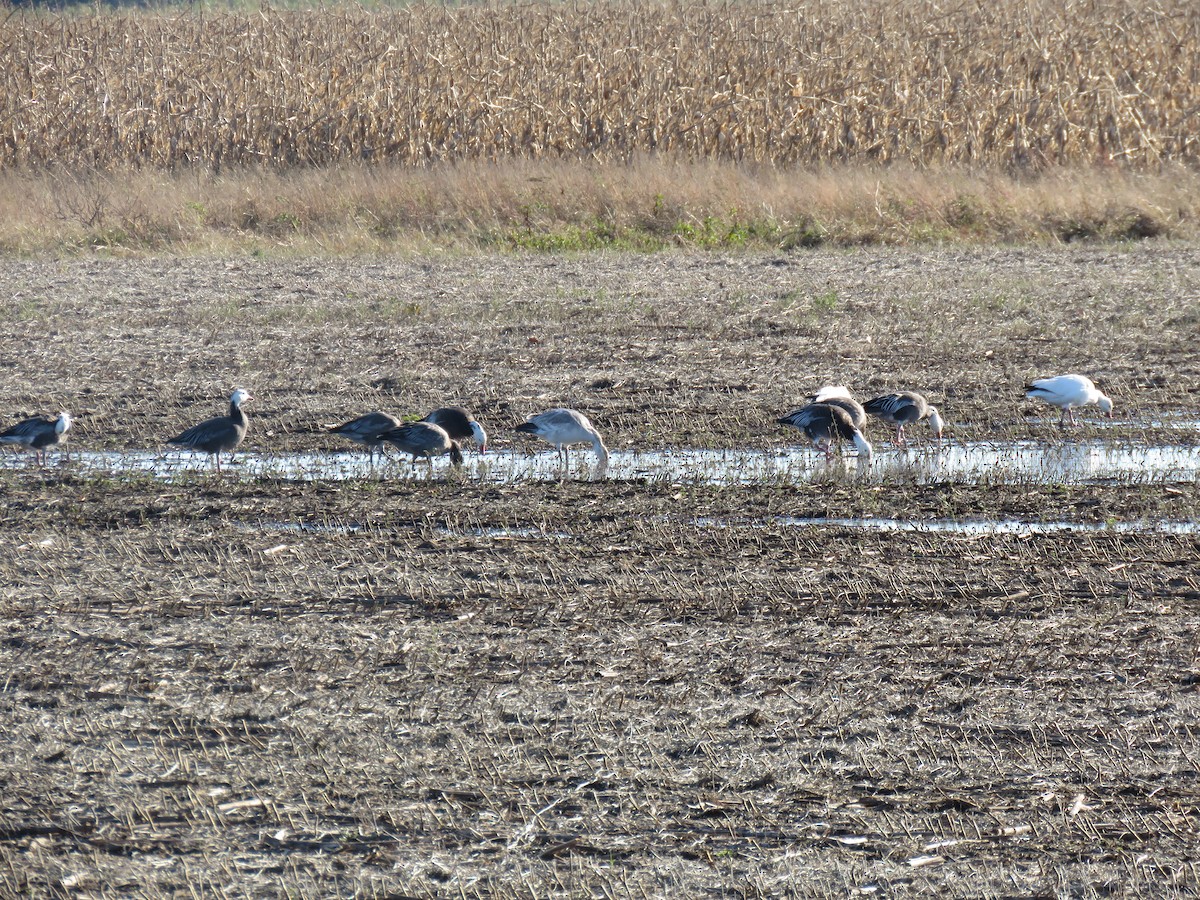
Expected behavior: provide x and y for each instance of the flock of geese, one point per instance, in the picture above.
(833, 415)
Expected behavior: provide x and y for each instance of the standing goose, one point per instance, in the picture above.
(824, 424)
(423, 439)
(839, 395)
(38, 434)
(1068, 392)
(459, 424)
(367, 429)
(904, 408)
(563, 427)
(217, 435)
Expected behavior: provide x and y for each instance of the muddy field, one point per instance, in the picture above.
(400, 687)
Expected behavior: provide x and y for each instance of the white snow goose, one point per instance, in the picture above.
(366, 430)
(423, 439)
(1067, 392)
(459, 424)
(563, 427)
(825, 424)
(39, 434)
(904, 408)
(839, 395)
(221, 434)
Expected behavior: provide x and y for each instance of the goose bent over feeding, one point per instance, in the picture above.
(839, 395)
(824, 424)
(1068, 392)
(367, 429)
(563, 427)
(459, 424)
(39, 434)
(904, 408)
(219, 434)
(423, 439)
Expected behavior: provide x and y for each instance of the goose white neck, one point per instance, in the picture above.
(865, 450)
(935, 421)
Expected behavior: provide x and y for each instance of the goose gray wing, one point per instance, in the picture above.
(212, 435)
(30, 431)
(904, 406)
(368, 427)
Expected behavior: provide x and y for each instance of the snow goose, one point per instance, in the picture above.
(839, 395)
(824, 424)
(220, 434)
(1068, 392)
(367, 429)
(459, 424)
(563, 427)
(904, 408)
(38, 434)
(423, 439)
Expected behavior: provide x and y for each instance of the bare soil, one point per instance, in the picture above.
(663, 350)
(408, 688)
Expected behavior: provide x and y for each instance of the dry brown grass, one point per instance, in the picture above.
(647, 204)
(1011, 83)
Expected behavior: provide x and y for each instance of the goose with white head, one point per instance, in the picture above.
(563, 427)
(459, 424)
(39, 434)
(221, 434)
(1069, 392)
(904, 408)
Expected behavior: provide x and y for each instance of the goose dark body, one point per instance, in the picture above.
(825, 424)
(423, 439)
(221, 434)
(904, 408)
(840, 396)
(38, 434)
(367, 429)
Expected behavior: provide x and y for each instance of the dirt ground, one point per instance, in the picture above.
(594, 689)
(663, 350)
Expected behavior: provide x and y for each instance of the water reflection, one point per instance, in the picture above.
(1013, 462)
(968, 526)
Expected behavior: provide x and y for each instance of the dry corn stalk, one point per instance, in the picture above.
(1012, 82)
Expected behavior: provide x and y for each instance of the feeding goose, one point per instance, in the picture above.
(367, 429)
(563, 427)
(459, 424)
(39, 434)
(423, 439)
(219, 434)
(904, 408)
(824, 424)
(839, 395)
(1068, 392)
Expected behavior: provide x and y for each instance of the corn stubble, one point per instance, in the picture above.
(1028, 83)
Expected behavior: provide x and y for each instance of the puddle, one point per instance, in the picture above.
(506, 534)
(305, 528)
(969, 527)
(1013, 462)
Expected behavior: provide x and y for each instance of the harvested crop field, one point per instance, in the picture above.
(399, 686)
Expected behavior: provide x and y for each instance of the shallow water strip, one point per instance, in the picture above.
(1015, 462)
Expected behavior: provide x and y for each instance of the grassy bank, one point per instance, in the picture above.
(646, 205)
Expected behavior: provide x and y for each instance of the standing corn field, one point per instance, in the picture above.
(1014, 83)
